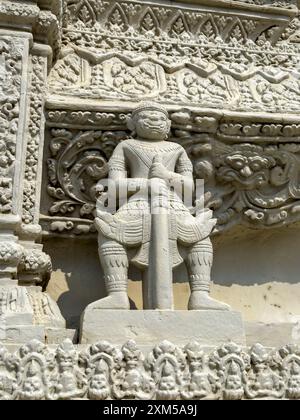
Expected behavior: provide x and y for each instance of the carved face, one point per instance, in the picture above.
(132, 360)
(33, 388)
(167, 383)
(246, 171)
(99, 387)
(66, 362)
(151, 125)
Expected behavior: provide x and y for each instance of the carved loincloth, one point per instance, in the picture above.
(131, 227)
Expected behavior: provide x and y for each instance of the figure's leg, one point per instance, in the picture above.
(114, 262)
(199, 263)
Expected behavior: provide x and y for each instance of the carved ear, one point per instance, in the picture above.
(130, 124)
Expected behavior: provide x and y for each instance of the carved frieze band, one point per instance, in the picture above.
(208, 58)
(250, 167)
(103, 371)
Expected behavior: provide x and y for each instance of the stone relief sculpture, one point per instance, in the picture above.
(103, 371)
(154, 229)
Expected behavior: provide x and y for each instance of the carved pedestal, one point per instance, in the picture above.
(210, 328)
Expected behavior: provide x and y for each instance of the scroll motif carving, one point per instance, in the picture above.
(251, 169)
(78, 161)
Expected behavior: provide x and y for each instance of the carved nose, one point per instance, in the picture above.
(246, 172)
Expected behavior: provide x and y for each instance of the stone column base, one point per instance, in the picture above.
(210, 328)
(29, 313)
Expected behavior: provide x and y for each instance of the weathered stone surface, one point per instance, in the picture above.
(272, 334)
(165, 371)
(227, 72)
(210, 328)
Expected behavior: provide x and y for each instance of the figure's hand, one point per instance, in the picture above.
(158, 170)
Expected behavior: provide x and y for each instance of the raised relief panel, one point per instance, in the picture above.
(104, 371)
(173, 38)
(146, 80)
(11, 56)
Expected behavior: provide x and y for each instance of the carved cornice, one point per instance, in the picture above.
(18, 11)
(284, 6)
(103, 371)
(42, 18)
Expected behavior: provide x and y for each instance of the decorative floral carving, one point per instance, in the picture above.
(35, 363)
(78, 162)
(289, 359)
(8, 374)
(10, 90)
(145, 79)
(10, 253)
(35, 266)
(33, 145)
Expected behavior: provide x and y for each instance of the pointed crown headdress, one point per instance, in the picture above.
(149, 106)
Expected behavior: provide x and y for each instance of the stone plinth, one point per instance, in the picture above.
(210, 328)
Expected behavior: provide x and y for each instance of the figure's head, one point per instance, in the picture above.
(150, 121)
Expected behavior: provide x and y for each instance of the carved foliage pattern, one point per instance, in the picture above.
(33, 144)
(131, 18)
(103, 371)
(10, 90)
(251, 169)
(128, 26)
(200, 82)
(78, 161)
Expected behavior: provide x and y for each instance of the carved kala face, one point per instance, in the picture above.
(247, 170)
(152, 125)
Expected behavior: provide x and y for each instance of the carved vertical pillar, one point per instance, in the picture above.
(13, 73)
(35, 265)
(25, 312)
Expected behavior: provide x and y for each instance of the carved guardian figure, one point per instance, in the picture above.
(154, 231)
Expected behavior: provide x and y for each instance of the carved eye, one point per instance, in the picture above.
(237, 163)
(256, 166)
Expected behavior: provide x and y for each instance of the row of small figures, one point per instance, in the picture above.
(103, 372)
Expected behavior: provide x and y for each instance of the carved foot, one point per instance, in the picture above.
(118, 300)
(202, 301)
